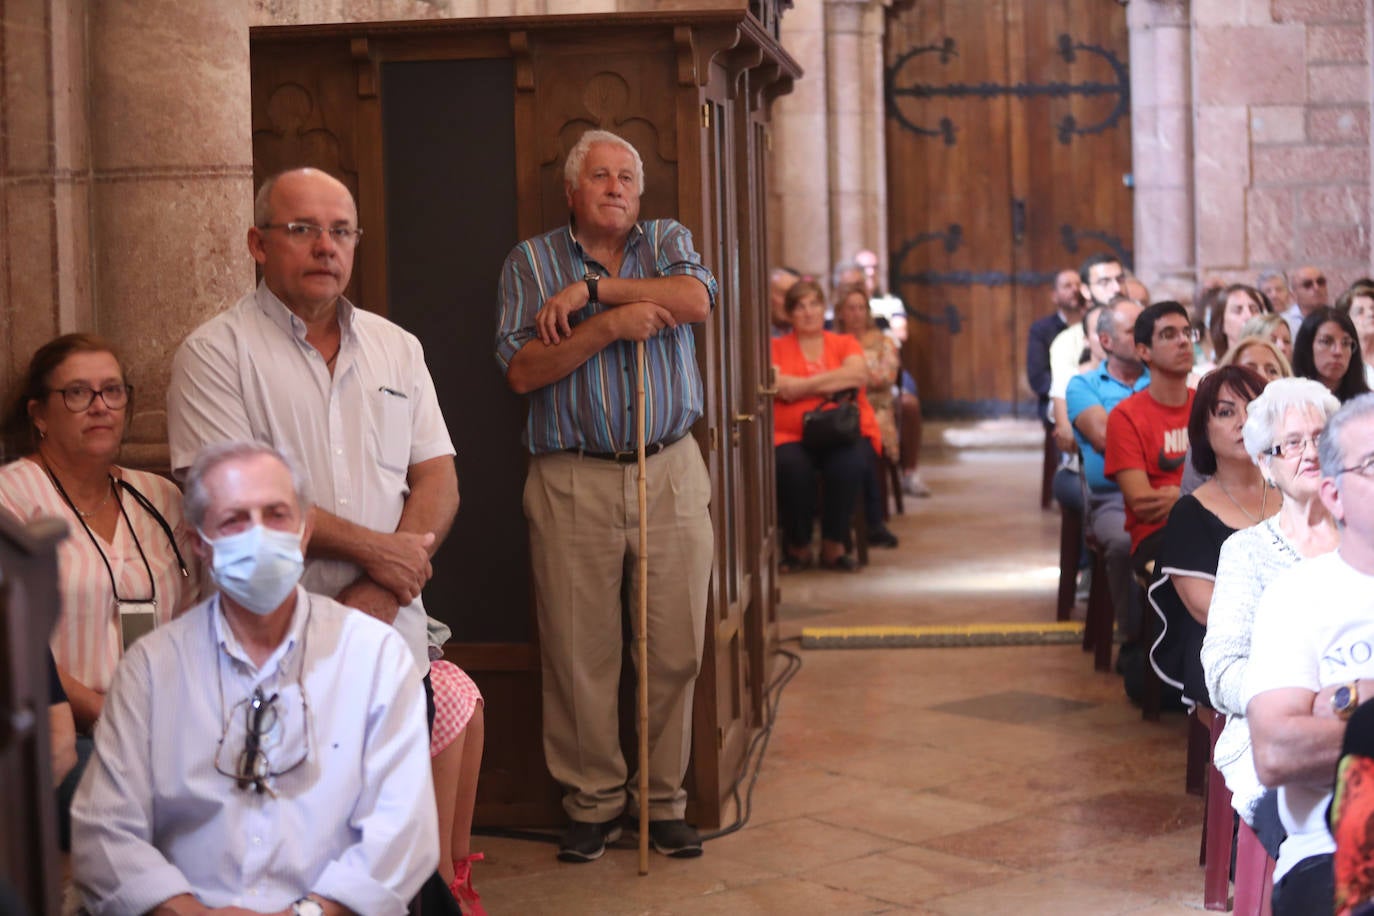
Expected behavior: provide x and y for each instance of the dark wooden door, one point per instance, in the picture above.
(1008, 141)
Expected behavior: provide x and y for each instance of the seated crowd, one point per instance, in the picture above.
(1230, 488)
(846, 415)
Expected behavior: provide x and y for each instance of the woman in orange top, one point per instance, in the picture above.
(812, 364)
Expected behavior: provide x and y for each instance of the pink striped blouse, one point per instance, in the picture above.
(86, 641)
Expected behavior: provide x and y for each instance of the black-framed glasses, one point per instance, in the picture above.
(1310, 282)
(307, 233)
(1171, 334)
(80, 397)
(1363, 469)
(252, 767)
(1293, 447)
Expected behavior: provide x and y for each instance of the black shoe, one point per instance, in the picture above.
(843, 563)
(881, 536)
(675, 839)
(585, 842)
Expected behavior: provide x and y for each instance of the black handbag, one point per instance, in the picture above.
(834, 423)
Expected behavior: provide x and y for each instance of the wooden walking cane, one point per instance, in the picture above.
(642, 642)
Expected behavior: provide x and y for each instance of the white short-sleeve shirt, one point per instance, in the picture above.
(248, 373)
(1314, 628)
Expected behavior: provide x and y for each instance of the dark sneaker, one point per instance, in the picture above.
(881, 536)
(675, 839)
(585, 842)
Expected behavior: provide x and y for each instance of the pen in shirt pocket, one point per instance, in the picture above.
(392, 391)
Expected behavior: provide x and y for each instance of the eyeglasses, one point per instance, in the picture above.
(309, 233)
(1342, 343)
(80, 397)
(1293, 447)
(1311, 282)
(253, 770)
(1171, 334)
(1363, 469)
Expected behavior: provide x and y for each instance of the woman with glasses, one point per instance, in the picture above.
(1233, 497)
(1358, 303)
(121, 568)
(1327, 350)
(1280, 435)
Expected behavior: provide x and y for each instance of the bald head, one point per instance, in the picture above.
(263, 212)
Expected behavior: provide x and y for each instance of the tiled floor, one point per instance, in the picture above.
(946, 781)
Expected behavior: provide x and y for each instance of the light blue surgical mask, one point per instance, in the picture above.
(257, 567)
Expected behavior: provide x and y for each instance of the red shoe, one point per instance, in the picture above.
(462, 890)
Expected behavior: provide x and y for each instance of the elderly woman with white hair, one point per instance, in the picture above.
(1280, 433)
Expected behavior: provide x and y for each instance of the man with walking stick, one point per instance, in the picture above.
(577, 304)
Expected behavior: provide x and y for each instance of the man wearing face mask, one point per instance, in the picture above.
(266, 751)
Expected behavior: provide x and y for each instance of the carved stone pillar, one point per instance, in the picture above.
(171, 162)
(799, 197)
(858, 162)
(44, 179)
(1162, 146)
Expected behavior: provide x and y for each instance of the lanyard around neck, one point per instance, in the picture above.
(114, 588)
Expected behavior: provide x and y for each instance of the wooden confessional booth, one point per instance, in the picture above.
(452, 135)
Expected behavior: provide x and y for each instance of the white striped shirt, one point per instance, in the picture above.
(86, 640)
(355, 822)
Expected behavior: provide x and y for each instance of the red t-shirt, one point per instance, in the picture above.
(1149, 436)
(787, 415)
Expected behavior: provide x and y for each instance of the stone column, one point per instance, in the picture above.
(858, 161)
(171, 158)
(1162, 146)
(44, 179)
(799, 199)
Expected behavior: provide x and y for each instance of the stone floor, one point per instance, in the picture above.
(945, 781)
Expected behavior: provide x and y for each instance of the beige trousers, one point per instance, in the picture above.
(584, 542)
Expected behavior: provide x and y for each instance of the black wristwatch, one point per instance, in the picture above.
(590, 279)
(1345, 699)
(307, 907)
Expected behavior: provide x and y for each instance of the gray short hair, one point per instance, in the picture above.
(1106, 322)
(1270, 275)
(1266, 412)
(572, 167)
(196, 501)
(1330, 451)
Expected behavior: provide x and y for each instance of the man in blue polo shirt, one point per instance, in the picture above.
(1090, 397)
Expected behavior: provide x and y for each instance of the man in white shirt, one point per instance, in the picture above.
(1101, 276)
(1312, 662)
(1309, 294)
(266, 751)
(344, 391)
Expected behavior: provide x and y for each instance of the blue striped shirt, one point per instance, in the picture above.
(593, 406)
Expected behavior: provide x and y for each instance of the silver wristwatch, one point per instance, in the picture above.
(307, 907)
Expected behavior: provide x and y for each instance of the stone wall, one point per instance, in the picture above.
(1251, 123)
(126, 179)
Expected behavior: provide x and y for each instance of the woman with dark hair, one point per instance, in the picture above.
(812, 365)
(1327, 349)
(1236, 305)
(121, 571)
(1358, 303)
(1234, 497)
